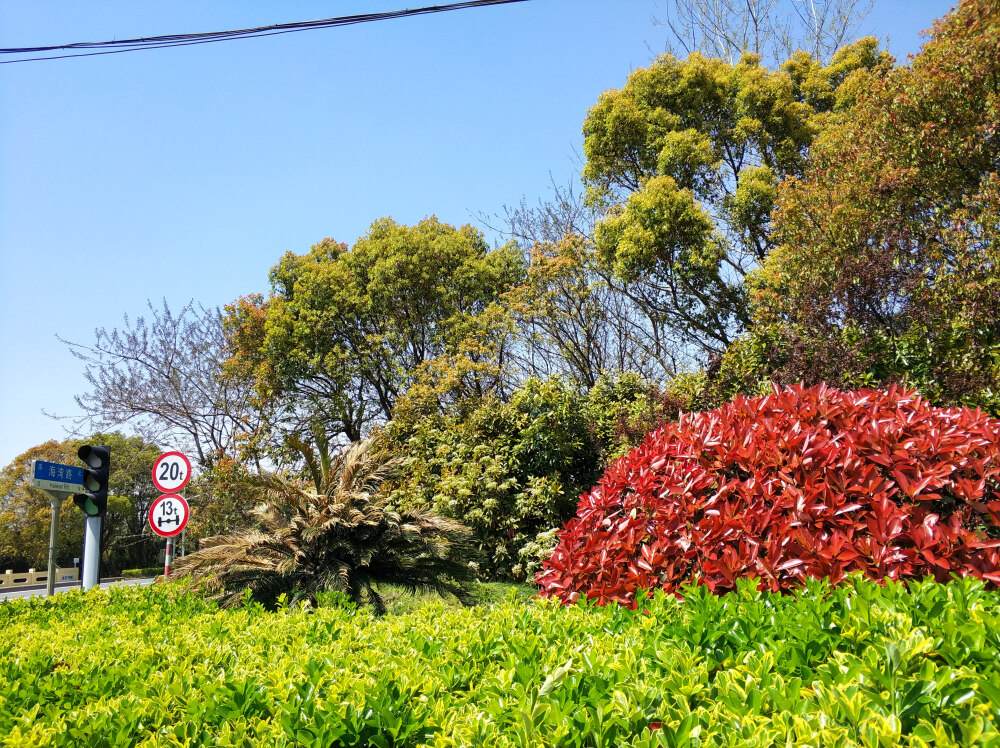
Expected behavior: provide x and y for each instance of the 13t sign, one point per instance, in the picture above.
(169, 515)
(171, 472)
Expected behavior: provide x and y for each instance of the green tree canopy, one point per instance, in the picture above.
(508, 470)
(888, 261)
(25, 511)
(686, 158)
(344, 329)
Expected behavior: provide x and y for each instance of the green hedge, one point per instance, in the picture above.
(146, 571)
(862, 665)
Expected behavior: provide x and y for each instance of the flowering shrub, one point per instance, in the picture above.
(803, 482)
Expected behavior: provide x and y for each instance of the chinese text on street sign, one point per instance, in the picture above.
(51, 476)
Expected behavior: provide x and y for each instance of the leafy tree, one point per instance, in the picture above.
(575, 319)
(25, 511)
(220, 500)
(622, 410)
(162, 377)
(508, 470)
(686, 159)
(572, 318)
(338, 340)
(888, 261)
(512, 470)
(341, 538)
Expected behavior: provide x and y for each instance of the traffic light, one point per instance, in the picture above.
(94, 500)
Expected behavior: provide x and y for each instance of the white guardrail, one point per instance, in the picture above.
(30, 577)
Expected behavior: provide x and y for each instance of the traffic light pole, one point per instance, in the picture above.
(91, 553)
(93, 500)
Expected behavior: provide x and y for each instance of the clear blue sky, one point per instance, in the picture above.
(186, 173)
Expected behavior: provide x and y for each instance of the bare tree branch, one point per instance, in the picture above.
(773, 29)
(162, 377)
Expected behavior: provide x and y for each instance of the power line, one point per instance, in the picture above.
(182, 40)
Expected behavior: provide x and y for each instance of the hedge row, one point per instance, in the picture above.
(856, 665)
(146, 571)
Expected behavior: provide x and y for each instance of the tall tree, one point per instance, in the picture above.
(25, 511)
(888, 261)
(573, 317)
(161, 377)
(344, 330)
(686, 158)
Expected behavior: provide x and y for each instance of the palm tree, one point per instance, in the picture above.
(342, 537)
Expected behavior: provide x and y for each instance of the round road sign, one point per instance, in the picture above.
(169, 515)
(171, 472)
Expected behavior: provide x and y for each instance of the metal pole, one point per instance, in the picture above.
(91, 553)
(167, 557)
(50, 580)
(184, 531)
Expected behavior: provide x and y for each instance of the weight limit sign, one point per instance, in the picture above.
(169, 515)
(171, 472)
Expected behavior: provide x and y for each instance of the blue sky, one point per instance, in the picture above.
(185, 173)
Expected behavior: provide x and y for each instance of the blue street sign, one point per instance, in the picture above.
(52, 476)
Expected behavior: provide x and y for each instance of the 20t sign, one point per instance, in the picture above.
(171, 472)
(169, 515)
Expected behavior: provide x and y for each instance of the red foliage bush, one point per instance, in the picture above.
(805, 482)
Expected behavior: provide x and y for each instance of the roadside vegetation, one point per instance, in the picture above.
(746, 219)
(735, 407)
(862, 664)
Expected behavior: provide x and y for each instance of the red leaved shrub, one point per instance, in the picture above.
(805, 482)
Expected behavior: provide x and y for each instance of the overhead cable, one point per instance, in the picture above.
(182, 40)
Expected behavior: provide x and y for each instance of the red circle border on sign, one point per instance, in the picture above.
(187, 476)
(181, 526)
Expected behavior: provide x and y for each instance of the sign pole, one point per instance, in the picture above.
(168, 515)
(58, 481)
(50, 579)
(184, 531)
(91, 575)
(166, 557)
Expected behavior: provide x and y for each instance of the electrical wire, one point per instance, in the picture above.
(208, 37)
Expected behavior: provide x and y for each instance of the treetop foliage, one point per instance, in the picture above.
(887, 261)
(686, 158)
(344, 329)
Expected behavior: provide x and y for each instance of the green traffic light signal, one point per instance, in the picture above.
(88, 505)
